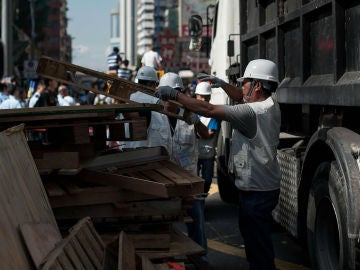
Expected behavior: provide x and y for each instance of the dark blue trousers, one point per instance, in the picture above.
(255, 222)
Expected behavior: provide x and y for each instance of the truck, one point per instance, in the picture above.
(315, 44)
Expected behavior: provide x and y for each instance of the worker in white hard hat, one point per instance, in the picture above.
(252, 162)
(207, 145)
(145, 76)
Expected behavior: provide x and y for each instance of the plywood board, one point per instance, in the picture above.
(23, 198)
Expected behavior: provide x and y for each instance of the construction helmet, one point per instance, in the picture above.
(203, 88)
(146, 73)
(261, 69)
(171, 79)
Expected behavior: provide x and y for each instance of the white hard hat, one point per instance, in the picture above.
(261, 69)
(171, 79)
(203, 88)
(146, 73)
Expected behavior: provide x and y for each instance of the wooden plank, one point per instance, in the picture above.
(85, 260)
(126, 182)
(135, 209)
(180, 171)
(124, 159)
(150, 165)
(146, 264)
(86, 198)
(167, 172)
(23, 198)
(88, 249)
(64, 261)
(126, 253)
(53, 189)
(58, 160)
(40, 239)
(73, 257)
(180, 245)
(153, 175)
(152, 241)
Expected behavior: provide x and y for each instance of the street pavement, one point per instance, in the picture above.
(225, 244)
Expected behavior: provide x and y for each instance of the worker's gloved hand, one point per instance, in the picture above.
(215, 81)
(166, 93)
(191, 118)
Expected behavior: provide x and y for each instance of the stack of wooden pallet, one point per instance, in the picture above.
(30, 235)
(140, 192)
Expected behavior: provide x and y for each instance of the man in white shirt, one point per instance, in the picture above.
(152, 59)
(13, 102)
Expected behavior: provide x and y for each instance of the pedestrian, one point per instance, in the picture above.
(114, 61)
(252, 162)
(64, 98)
(152, 58)
(4, 93)
(14, 101)
(207, 144)
(45, 94)
(124, 72)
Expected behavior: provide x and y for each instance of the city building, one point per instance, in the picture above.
(39, 28)
(123, 29)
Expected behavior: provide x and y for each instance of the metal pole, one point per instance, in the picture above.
(6, 36)
(33, 33)
(207, 28)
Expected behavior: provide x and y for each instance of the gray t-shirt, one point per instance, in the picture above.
(243, 118)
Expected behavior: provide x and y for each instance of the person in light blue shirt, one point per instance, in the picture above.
(13, 102)
(3, 92)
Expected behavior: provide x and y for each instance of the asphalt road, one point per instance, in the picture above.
(225, 242)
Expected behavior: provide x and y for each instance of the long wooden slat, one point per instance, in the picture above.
(153, 175)
(126, 253)
(87, 247)
(65, 262)
(85, 260)
(126, 182)
(180, 171)
(150, 241)
(166, 171)
(129, 158)
(23, 198)
(85, 199)
(127, 211)
(180, 245)
(73, 257)
(116, 88)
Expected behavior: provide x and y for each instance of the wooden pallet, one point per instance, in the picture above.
(148, 171)
(83, 248)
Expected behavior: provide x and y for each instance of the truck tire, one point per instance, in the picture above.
(328, 242)
(227, 190)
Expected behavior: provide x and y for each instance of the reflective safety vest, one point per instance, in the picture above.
(254, 161)
(181, 146)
